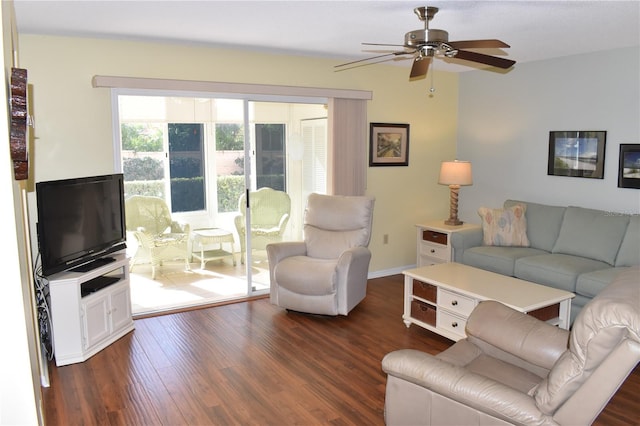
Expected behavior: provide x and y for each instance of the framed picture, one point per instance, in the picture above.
(629, 167)
(577, 154)
(389, 144)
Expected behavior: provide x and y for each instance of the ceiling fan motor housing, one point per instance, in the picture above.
(419, 38)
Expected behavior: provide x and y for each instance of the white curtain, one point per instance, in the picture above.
(347, 168)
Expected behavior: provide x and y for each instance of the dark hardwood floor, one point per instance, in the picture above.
(252, 363)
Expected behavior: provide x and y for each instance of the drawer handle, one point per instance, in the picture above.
(454, 303)
(432, 251)
(454, 324)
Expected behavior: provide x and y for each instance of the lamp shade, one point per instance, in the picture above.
(455, 173)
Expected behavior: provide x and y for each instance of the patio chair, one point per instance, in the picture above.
(159, 237)
(270, 210)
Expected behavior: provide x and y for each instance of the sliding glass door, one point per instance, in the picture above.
(205, 155)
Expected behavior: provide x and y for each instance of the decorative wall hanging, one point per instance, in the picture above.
(389, 144)
(577, 154)
(629, 166)
(18, 137)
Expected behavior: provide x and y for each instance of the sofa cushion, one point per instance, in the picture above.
(543, 223)
(555, 270)
(497, 259)
(591, 283)
(629, 253)
(591, 233)
(504, 227)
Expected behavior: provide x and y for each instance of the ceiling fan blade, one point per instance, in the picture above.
(383, 44)
(373, 57)
(478, 44)
(420, 67)
(484, 59)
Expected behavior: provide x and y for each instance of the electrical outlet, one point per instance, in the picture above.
(385, 239)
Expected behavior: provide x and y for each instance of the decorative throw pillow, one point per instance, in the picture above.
(504, 227)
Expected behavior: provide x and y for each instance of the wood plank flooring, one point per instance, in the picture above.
(252, 363)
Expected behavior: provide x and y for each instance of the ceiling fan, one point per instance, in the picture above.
(428, 43)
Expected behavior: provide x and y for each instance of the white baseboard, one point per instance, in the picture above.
(387, 272)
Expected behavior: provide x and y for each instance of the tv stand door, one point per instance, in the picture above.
(95, 321)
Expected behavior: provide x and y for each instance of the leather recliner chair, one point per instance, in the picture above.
(327, 272)
(514, 369)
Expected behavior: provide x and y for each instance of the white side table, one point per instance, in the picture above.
(208, 237)
(434, 241)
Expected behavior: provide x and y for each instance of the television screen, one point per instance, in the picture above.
(79, 220)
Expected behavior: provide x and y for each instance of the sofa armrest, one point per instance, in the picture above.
(459, 384)
(463, 240)
(517, 333)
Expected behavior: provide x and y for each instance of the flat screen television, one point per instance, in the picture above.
(80, 221)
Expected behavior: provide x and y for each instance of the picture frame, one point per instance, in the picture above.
(629, 166)
(577, 153)
(389, 144)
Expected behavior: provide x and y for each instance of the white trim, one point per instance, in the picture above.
(388, 272)
(115, 82)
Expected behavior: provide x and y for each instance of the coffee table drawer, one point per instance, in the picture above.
(455, 302)
(451, 323)
(423, 312)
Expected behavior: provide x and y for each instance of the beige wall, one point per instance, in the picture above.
(74, 129)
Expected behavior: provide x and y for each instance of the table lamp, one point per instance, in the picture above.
(455, 174)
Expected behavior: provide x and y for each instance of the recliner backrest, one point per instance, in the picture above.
(334, 223)
(602, 326)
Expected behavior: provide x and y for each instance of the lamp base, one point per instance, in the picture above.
(453, 222)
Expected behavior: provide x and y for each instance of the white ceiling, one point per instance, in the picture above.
(536, 30)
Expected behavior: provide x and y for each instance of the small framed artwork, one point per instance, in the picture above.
(577, 154)
(389, 144)
(629, 167)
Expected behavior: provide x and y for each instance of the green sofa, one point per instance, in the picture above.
(571, 248)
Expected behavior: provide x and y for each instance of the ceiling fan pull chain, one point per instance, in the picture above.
(432, 89)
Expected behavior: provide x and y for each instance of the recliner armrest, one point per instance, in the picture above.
(278, 251)
(459, 384)
(517, 333)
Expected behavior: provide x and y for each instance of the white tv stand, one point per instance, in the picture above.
(84, 325)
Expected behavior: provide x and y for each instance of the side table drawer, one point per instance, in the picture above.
(435, 237)
(435, 250)
(455, 302)
(451, 323)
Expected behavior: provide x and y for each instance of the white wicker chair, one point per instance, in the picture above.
(270, 210)
(159, 237)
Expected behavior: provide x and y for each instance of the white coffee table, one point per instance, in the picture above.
(441, 297)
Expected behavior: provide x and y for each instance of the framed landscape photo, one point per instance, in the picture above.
(389, 144)
(629, 167)
(577, 154)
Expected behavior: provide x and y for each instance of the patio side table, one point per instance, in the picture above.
(202, 238)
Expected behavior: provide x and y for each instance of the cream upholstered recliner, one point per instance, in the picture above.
(514, 369)
(159, 237)
(270, 211)
(327, 272)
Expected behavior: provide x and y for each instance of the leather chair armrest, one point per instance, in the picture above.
(461, 385)
(517, 333)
